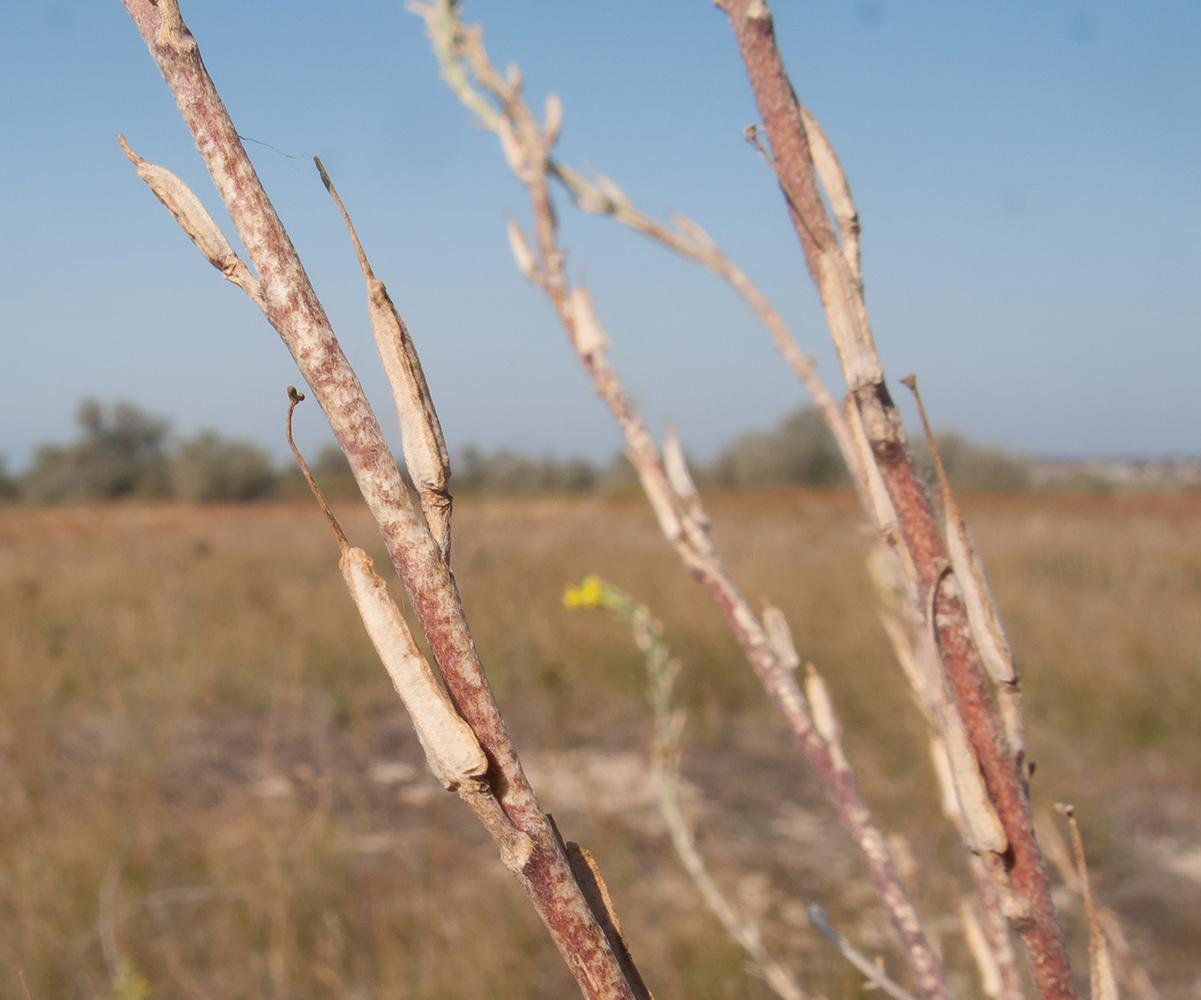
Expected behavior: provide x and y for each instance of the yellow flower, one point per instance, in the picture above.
(586, 595)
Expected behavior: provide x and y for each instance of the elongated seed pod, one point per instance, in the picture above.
(821, 707)
(521, 250)
(590, 336)
(552, 120)
(675, 465)
(186, 208)
(982, 613)
(834, 183)
(779, 637)
(984, 829)
(453, 752)
(426, 457)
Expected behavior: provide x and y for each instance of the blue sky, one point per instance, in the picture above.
(1026, 172)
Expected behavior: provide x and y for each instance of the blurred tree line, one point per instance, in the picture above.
(121, 451)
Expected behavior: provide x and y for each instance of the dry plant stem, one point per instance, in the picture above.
(996, 934)
(745, 933)
(291, 306)
(666, 750)
(778, 107)
(689, 240)
(982, 613)
(526, 147)
(1102, 984)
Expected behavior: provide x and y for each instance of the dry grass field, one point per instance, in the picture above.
(205, 775)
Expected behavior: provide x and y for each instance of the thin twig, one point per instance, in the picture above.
(661, 672)
(1102, 984)
(874, 974)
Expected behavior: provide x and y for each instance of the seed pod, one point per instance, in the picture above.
(613, 192)
(453, 752)
(521, 250)
(676, 466)
(821, 707)
(426, 456)
(185, 207)
(590, 336)
(511, 147)
(984, 830)
(779, 637)
(552, 120)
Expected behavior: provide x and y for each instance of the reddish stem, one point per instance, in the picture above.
(292, 307)
(778, 107)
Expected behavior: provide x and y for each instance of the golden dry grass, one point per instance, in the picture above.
(189, 707)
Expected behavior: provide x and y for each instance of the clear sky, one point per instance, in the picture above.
(1027, 174)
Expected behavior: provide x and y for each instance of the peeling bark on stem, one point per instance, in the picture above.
(291, 306)
(751, 22)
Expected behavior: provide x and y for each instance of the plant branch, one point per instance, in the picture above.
(526, 146)
(292, 307)
(1021, 864)
(661, 672)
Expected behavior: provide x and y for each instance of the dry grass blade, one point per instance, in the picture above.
(426, 457)
(1102, 984)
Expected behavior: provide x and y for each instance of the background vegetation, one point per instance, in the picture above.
(204, 769)
(122, 451)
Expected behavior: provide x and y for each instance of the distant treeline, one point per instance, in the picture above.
(121, 451)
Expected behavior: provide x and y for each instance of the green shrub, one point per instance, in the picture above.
(119, 453)
(210, 469)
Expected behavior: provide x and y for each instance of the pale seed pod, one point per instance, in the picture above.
(779, 637)
(552, 120)
(680, 481)
(694, 232)
(511, 147)
(977, 596)
(834, 182)
(187, 210)
(521, 250)
(613, 192)
(676, 465)
(820, 705)
(984, 830)
(590, 336)
(662, 503)
(586, 195)
(948, 797)
(453, 752)
(426, 456)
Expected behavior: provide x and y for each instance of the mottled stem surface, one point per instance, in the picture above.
(1034, 918)
(292, 307)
